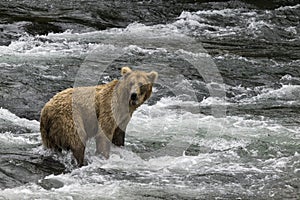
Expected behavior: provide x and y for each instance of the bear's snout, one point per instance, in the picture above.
(133, 96)
(133, 99)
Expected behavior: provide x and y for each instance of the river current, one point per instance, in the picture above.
(223, 120)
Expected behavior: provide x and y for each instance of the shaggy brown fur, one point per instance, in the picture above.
(74, 115)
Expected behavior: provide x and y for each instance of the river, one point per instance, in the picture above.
(222, 122)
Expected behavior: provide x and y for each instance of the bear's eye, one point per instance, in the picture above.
(131, 84)
(140, 84)
(143, 88)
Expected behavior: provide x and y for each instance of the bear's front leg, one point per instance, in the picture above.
(118, 137)
(102, 145)
(78, 153)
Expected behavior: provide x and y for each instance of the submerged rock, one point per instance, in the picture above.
(50, 183)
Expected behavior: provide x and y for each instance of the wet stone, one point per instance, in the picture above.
(48, 184)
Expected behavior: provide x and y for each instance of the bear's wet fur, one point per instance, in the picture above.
(74, 115)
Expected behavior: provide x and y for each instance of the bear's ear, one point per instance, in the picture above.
(125, 70)
(152, 76)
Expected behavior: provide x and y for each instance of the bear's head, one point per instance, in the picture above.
(137, 85)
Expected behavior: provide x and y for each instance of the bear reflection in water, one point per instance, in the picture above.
(74, 115)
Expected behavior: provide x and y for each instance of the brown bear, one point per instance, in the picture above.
(74, 115)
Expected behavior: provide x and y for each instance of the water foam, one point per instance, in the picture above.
(15, 120)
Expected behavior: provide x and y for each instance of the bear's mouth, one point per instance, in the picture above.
(133, 102)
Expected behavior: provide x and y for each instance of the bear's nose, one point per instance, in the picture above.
(133, 96)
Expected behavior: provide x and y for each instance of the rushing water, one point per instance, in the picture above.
(222, 123)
